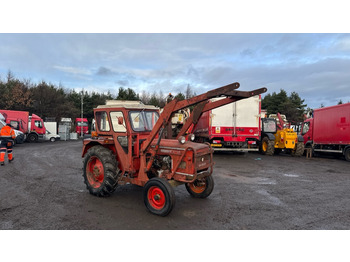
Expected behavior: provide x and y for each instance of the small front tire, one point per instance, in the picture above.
(201, 188)
(159, 196)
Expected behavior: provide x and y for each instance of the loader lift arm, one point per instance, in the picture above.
(202, 100)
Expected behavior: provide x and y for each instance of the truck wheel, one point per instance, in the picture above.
(298, 150)
(347, 154)
(201, 188)
(101, 171)
(52, 139)
(33, 138)
(159, 196)
(267, 146)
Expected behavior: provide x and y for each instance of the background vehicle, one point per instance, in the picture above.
(329, 130)
(232, 127)
(130, 145)
(19, 135)
(32, 126)
(81, 126)
(276, 136)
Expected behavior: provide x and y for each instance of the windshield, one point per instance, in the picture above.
(143, 120)
(82, 124)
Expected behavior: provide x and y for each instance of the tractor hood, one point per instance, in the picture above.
(173, 146)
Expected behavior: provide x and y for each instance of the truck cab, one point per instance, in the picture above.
(81, 126)
(306, 132)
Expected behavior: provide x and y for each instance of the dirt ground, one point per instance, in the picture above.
(43, 189)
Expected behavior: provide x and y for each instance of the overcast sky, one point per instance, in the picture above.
(317, 66)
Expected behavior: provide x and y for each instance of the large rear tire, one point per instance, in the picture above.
(201, 188)
(298, 150)
(159, 196)
(101, 171)
(267, 146)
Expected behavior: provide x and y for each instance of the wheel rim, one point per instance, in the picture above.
(198, 186)
(156, 197)
(95, 172)
(264, 146)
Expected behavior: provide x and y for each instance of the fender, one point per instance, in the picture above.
(270, 136)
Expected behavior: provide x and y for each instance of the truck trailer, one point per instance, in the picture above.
(232, 127)
(32, 126)
(328, 130)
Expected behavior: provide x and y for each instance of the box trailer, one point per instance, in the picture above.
(232, 127)
(328, 130)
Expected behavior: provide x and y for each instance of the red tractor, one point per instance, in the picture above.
(133, 143)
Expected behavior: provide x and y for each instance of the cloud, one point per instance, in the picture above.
(73, 70)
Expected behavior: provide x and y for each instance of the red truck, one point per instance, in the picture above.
(81, 126)
(329, 130)
(32, 126)
(232, 127)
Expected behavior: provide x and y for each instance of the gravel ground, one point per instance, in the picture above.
(43, 189)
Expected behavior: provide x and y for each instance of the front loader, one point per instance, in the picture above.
(131, 145)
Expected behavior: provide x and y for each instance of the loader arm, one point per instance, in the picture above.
(201, 108)
(175, 105)
(281, 124)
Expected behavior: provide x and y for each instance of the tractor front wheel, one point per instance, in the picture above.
(201, 188)
(100, 171)
(159, 196)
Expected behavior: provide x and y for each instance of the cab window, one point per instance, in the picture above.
(116, 126)
(38, 123)
(306, 128)
(102, 121)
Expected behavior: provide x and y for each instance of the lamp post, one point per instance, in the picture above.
(82, 113)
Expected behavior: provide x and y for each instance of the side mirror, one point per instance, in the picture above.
(120, 120)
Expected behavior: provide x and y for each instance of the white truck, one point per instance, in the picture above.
(232, 127)
(51, 132)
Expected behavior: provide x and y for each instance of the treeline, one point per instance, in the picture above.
(292, 106)
(48, 100)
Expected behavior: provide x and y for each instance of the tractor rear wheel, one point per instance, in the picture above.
(298, 149)
(101, 171)
(201, 188)
(267, 146)
(159, 196)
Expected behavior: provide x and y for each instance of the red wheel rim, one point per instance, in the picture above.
(156, 197)
(95, 172)
(198, 186)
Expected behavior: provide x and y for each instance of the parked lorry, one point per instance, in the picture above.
(130, 146)
(32, 126)
(232, 127)
(19, 135)
(81, 126)
(328, 130)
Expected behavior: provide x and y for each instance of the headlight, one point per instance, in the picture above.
(192, 137)
(182, 139)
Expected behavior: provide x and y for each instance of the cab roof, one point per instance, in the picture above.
(127, 104)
